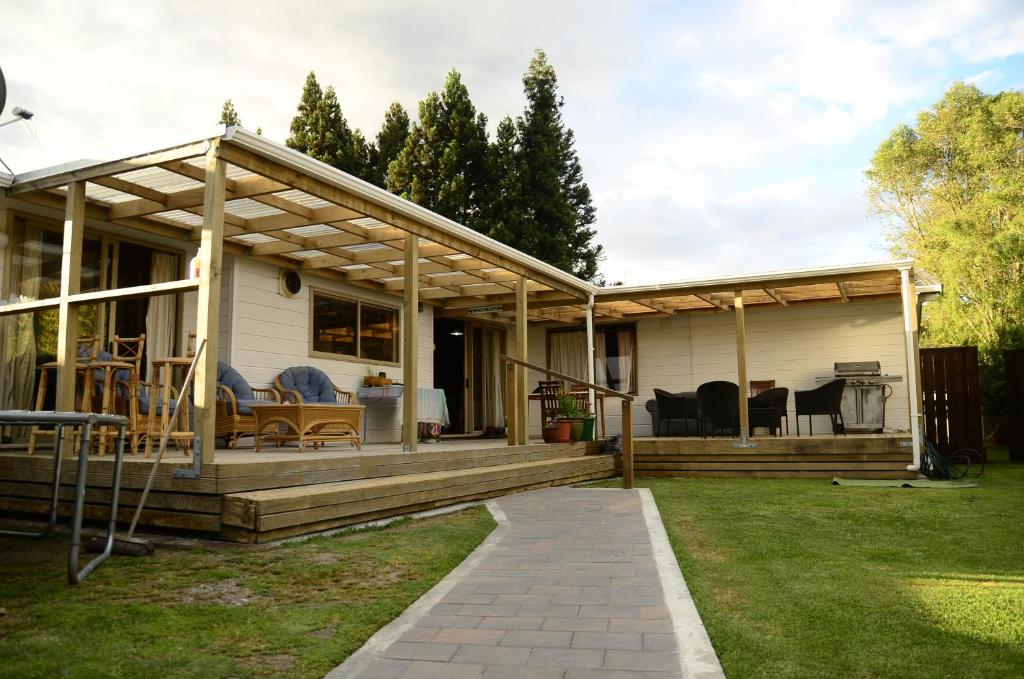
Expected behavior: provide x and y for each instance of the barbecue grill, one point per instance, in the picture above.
(867, 390)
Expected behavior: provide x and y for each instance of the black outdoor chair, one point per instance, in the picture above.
(718, 408)
(767, 410)
(824, 400)
(670, 407)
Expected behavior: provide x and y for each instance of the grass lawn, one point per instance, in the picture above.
(293, 610)
(799, 578)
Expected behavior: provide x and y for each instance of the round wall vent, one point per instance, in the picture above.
(290, 283)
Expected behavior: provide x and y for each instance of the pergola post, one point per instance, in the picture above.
(70, 284)
(908, 297)
(522, 407)
(211, 247)
(410, 336)
(590, 352)
(741, 368)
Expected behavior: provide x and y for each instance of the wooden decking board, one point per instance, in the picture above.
(767, 445)
(203, 504)
(250, 536)
(774, 457)
(398, 502)
(796, 474)
(209, 523)
(304, 497)
(777, 466)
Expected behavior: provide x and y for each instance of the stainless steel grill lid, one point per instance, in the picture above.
(857, 368)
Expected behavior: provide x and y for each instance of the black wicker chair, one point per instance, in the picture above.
(718, 408)
(767, 410)
(670, 407)
(824, 400)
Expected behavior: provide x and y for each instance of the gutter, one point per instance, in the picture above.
(362, 189)
(912, 373)
(6, 180)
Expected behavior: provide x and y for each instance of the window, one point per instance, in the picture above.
(346, 327)
(615, 362)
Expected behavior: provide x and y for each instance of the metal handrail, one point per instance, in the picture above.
(574, 380)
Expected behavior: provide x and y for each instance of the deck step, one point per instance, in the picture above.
(264, 515)
(303, 469)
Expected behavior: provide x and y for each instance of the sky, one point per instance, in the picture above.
(717, 138)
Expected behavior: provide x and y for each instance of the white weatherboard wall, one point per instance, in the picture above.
(270, 332)
(792, 346)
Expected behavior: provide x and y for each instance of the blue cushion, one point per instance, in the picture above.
(234, 381)
(121, 375)
(313, 383)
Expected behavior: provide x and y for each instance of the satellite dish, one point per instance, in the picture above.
(3, 92)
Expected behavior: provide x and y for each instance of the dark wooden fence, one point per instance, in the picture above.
(1014, 420)
(952, 398)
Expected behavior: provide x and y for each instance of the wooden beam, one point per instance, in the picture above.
(656, 306)
(741, 366)
(410, 335)
(338, 196)
(544, 299)
(208, 302)
(779, 298)
(111, 168)
(522, 394)
(713, 302)
(70, 284)
(99, 296)
(841, 287)
(627, 444)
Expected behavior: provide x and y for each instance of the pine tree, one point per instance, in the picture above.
(228, 114)
(321, 131)
(507, 221)
(555, 202)
(444, 163)
(390, 141)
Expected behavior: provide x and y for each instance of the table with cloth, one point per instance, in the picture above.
(431, 406)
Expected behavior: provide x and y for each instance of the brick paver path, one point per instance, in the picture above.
(570, 591)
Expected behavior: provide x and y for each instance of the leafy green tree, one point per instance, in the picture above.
(390, 142)
(444, 163)
(555, 211)
(228, 114)
(952, 189)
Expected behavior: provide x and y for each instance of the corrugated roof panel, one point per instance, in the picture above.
(247, 208)
(106, 195)
(160, 179)
(254, 238)
(303, 198)
(312, 230)
(183, 217)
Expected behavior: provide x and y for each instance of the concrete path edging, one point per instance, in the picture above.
(356, 663)
(696, 654)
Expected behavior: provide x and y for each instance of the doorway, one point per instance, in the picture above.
(467, 367)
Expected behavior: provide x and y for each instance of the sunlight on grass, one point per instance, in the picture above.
(985, 608)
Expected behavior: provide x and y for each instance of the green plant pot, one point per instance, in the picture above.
(588, 429)
(576, 427)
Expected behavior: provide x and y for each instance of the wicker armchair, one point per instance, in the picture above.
(306, 384)
(235, 398)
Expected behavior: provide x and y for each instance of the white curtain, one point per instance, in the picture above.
(20, 336)
(625, 360)
(494, 380)
(600, 360)
(162, 312)
(569, 353)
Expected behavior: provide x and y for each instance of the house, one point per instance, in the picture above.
(206, 238)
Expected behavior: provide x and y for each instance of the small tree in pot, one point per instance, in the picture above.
(569, 412)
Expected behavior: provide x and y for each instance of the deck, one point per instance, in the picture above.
(874, 456)
(256, 497)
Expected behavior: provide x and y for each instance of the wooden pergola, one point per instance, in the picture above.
(240, 193)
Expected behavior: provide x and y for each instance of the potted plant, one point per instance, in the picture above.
(569, 412)
(557, 431)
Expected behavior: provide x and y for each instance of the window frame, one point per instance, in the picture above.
(600, 327)
(359, 302)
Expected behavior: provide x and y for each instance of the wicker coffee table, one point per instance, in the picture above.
(315, 423)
